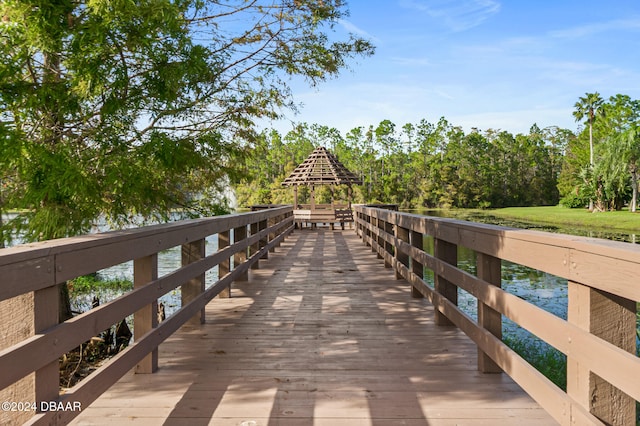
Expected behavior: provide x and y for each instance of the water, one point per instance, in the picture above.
(541, 289)
(168, 261)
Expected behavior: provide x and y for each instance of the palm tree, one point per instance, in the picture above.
(590, 106)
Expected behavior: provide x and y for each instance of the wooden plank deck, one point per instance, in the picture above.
(322, 334)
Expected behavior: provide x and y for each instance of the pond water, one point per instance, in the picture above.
(168, 261)
(539, 288)
(544, 290)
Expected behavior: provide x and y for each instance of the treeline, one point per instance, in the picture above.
(417, 165)
(429, 165)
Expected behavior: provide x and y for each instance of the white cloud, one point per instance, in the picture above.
(458, 15)
(352, 28)
(596, 28)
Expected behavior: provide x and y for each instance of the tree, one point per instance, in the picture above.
(589, 106)
(622, 158)
(125, 109)
(94, 92)
(619, 152)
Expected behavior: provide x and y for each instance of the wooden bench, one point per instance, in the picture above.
(324, 216)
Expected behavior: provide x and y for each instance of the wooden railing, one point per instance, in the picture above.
(598, 338)
(36, 270)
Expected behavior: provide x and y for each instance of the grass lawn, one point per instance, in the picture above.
(558, 215)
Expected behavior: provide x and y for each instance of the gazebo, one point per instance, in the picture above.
(321, 168)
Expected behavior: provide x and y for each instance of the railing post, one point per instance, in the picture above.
(447, 252)
(489, 270)
(612, 318)
(365, 231)
(379, 246)
(264, 240)
(224, 266)
(145, 270)
(240, 257)
(45, 307)
(272, 235)
(401, 257)
(375, 238)
(417, 241)
(255, 247)
(193, 252)
(388, 247)
(17, 319)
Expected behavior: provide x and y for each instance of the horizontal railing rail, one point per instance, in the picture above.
(598, 338)
(39, 268)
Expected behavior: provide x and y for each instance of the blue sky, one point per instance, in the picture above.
(479, 63)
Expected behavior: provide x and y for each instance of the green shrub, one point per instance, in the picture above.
(89, 283)
(574, 201)
(546, 359)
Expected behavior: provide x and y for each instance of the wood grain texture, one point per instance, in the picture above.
(322, 334)
(603, 389)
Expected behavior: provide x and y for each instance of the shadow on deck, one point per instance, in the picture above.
(323, 334)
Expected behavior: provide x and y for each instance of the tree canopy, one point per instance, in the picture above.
(416, 166)
(436, 164)
(128, 108)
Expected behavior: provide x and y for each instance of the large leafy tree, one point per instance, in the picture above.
(621, 166)
(132, 108)
(123, 108)
(621, 151)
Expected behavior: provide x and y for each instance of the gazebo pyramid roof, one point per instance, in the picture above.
(321, 168)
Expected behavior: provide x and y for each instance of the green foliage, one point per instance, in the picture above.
(421, 165)
(129, 109)
(574, 201)
(88, 284)
(437, 165)
(601, 162)
(546, 359)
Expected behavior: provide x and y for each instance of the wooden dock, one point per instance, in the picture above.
(321, 334)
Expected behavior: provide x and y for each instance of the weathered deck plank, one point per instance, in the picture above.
(322, 334)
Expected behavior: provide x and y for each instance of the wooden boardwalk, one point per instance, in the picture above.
(322, 334)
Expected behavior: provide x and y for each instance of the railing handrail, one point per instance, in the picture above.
(623, 259)
(588, 265)
(40, 267)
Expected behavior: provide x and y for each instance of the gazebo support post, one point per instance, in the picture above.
(312, 200)
(333, 198)
(295, 197)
